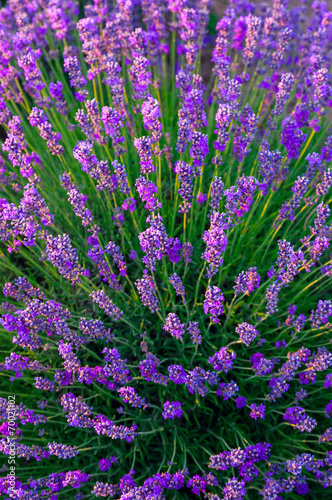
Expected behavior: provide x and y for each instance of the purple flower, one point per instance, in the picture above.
(172, 410)
(185, 176)
(177, 374)
(176, 281)
(240, 402)
(194, 332)
(147, 290)
(151, 113)
(247, 333)
(222, 360)
(247, 281)
(147, 191)
(174, 326)
(106, 303)
(234, 489)
(128, 394)
(257, 411)
(106, 463)
(213, 303)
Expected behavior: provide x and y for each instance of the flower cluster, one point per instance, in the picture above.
(165, 229)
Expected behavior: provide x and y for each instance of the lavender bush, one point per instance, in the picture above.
(165, 250)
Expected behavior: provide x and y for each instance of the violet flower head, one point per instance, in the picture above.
(234, 489)
(222, 360)
(128, 394)
(247, 333)
(144, 149)
(240, 402)
(147, 191)
(104, 302)
(151, 113)
(177, 374)
(185, 177)
(172, 410)
(179, 288)
(213, 303)
(113, 124)
(62, 255)
(216, 242)
(194, 332)
(76, 199)
(257, 411)
(247, 281)
(252, 32)
(37, 118)
(174, 326)
(147, 291)
(106, 463)
(153, 241)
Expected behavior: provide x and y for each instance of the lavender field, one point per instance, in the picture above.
(165, 255)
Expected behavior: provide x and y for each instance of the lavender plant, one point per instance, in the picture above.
(165, 255)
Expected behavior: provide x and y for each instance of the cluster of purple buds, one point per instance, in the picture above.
(239, 200)
(37, 118)
(227, 391)
(216, 242)
(261, 365)
(128, 394)
(172, 409)
(179, 288)
(112, 123)
(174, 326)
(147, 191)
(153, 241)
(195, 381)
(140, 77)
(76, 199)
(198, 151)
(222, 360)
(298, 418)
(185, 177)
(55, 90)
(247, 333)
(72, 67)
(104, 302)
(63, 256)
(147, 290)
(151, 113)
(106, 463)
(194, 332)
(257, 411)
(213, 303)
(62, 450)
(144, 150)
(247, 281)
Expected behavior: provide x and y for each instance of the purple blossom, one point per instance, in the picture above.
(247, 333)
(194, 332)
(147, 290)
(151, 113)
(179, 288)
(240, 402)
(177, 374)
(106, 303)
(213, 303)
(172, 410)
(147, 191)
(106, 463)
(144, 150)
(247, 281)
(222, 360)
(257, 411)
(174, 326)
